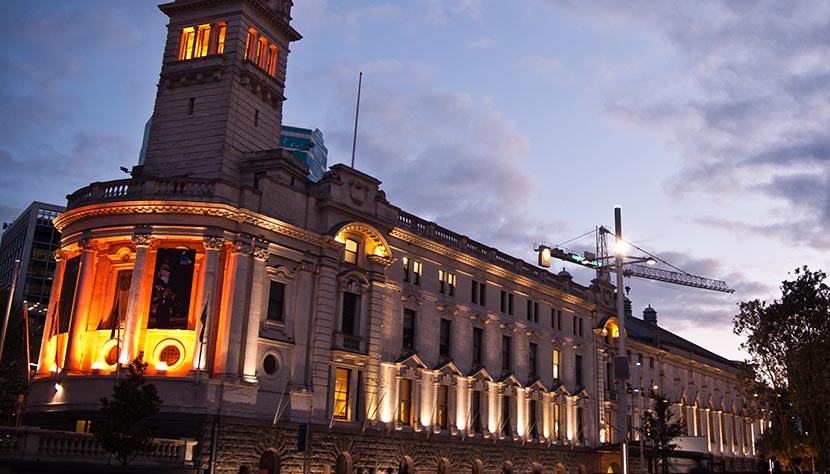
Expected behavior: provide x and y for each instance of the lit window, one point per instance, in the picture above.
(342, 385)
(442, 275)
(557, 421)
(417, 270)
(271, 63)
(406, 265)
(186, 47)
(220, 39)
(202, 41)
(405, 411)
(261, 52)
(250, 45)
(451, 284)
(82, 426)
(276, 301)
(557, 360)
(351, 251)
(442, 409)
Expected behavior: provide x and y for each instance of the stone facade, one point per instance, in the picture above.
(264, 301)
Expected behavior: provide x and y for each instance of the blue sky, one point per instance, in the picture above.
(510, 122)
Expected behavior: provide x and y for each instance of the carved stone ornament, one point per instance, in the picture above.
(60, 255)
(142, 240)
(87, 244)
(214, 243)
(358, 191)
(261, 253)
(243, 247)
(309, 267)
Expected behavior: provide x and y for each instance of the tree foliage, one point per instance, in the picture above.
(123, 431)
(658, 427)
(786, 376)
(13, 369)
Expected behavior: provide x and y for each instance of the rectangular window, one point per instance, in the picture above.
(220, 39)
(342, 385)
(506, 429)
(406, 265)
(536, 312)
(478, 345)
(578, 369)
(441, 410)
(250, 45)
(503, 302)
(609, 379)
(651, 362)
(451, 284)
(557, 360)
(581, 333)
(580, 424)
(271, 63)
(82, 426)
(442, 275)
(417, 271)
(405, 412)
(261, 52)
(575, 328)
(529, 310)
(350, 255)
(482, 294)
(186, 47)
(350, 305)
(446, 282)
(557, 421)
(533, 351)
(534, 428)
(505, 353)
(445, 338)
(409, 329)
(276, 302)
(474, 292)
(202, 41)
(476, 412)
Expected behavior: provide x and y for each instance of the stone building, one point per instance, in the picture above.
(304, 326)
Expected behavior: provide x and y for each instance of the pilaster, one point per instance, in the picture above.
(255, 315)
(132, 322)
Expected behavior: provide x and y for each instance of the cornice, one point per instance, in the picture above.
(224, 211)
(490, 268)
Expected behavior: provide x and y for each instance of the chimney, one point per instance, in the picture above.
(650, 315)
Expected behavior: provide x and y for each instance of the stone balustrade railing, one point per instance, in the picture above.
(186, 189)
(30, 444)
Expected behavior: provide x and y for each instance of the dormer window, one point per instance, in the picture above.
(350, 255)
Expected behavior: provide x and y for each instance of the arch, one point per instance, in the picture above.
(344, 464)
(609, 325)
(478, 466)
(270, 462)
(375, 243)
(614, 468)
(406, 466)
(444, 466)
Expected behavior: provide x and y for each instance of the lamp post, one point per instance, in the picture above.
(621, 361)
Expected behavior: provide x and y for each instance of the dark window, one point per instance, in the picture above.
(409, 329)
(506, 429)
(478, 345)
(578, 369)
(503, 302)
(505, 353)
(276, 301)
(474, 292)
(535, 311)
(575, 329)
(476, 410)
(580, 327)
(580, 425)
(444, 341)
(534, 428)
(510, 303)
(651, 362)
(350, 303)
(533, 352)
(529, 310)
(482, 294)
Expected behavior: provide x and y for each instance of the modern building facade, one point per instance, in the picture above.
(32, 239)
(305, 326)
(308, 146)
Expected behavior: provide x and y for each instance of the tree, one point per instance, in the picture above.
(786, 378)
(124, 431)
(13, 369)
(658, 427)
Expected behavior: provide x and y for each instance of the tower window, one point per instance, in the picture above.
(202, 41)
(271, 62)
(261, 51)
(220, 39)
(186, 47)
(250, 45)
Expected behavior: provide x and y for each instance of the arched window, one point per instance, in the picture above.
(270, 462)
(344, 464)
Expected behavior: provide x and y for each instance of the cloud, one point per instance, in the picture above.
(744, 92)
(541, 66)
(441, 12)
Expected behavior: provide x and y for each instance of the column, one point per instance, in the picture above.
(232, 311)
(132, 321)
(80, 312)
(47, 357)
(202, 345)
(255, 316)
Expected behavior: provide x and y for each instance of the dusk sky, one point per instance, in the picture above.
(510, 122)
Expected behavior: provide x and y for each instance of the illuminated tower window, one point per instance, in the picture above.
(250, 45)
(202, 41)
(220, 39)
(186, 47)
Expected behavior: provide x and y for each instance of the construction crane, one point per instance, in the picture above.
(604, 265)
